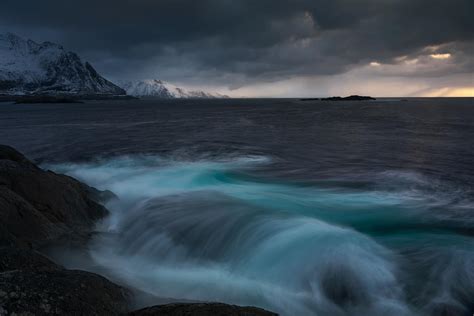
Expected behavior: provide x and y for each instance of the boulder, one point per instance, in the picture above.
(59, 292)
(38, 207)
(31, 284)
(17, 259)
(201, 309)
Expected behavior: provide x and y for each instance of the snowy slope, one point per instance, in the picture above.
(161, 89)
(28, 67)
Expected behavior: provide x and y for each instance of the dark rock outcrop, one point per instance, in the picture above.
(38, 207)
(41, 208)
(31, 284)
(201, 309)
(18, 259)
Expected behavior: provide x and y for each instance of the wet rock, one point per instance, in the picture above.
(41, 209)
(38, 206)
(16, 259)
(59, 292)
(201, 309)
(32, 284)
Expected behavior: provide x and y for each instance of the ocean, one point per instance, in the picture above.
(302, 208)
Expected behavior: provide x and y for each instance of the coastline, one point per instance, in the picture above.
(41, 208)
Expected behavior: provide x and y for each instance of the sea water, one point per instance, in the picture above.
(319, 208)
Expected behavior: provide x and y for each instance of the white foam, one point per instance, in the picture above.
(196, 230)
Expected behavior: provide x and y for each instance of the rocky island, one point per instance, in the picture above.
(349, 98)
(39, 208)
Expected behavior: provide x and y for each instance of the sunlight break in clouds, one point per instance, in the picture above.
(441, 56)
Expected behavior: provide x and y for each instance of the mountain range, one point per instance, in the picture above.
(154, 88)
(31, 68)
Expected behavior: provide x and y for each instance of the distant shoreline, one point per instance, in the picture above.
(66, 98)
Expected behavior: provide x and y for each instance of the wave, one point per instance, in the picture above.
(210, 230)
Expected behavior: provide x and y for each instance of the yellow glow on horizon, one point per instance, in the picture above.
(441, 56)
(451, 92)
(375, 64)
(461, 92)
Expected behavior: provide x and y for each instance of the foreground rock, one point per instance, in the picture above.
(201, 309)
(38, 207)
(17, 259)
(41, 208)
(31, 284)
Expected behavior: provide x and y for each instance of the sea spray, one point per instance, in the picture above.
(205, 230)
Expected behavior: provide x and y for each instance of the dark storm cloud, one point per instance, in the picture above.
(238, 40)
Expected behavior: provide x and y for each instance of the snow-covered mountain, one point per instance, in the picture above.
(161, 89)
(27, 67)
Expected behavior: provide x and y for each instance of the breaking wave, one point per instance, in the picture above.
(211, 230)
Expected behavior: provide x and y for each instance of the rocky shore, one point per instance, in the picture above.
(40, 208)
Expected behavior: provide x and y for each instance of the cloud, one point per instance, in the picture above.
(240, 42)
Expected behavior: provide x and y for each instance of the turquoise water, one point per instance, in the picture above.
(208, 230)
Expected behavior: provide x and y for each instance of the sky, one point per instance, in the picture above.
(265, 48)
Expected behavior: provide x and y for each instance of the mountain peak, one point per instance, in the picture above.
(27, 67)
